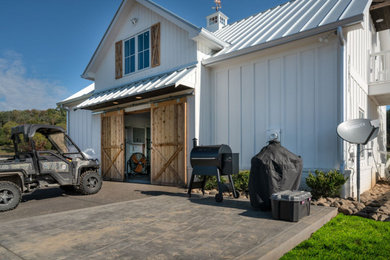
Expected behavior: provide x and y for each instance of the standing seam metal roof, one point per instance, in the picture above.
(293, 17)
(174, 78)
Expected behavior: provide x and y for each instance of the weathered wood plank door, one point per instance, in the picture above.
(169, 135)
(113, 146)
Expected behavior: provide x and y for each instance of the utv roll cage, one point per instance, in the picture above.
(29, 130)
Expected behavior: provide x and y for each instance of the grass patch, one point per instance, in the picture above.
(346, 237)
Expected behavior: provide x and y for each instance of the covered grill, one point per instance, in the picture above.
(213, 160)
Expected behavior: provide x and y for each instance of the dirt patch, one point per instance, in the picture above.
(374, 204)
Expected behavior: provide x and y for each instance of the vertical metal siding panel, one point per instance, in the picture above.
(222, 108)
(327, 106)
(274, 88)
(308, 108)
(289, 131)
(261, 103)
(247, 115)
(235, 110)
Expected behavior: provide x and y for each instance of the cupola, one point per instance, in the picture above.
(216, 21)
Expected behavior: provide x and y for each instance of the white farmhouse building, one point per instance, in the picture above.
(298, 70)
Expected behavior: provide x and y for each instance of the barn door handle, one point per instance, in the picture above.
(121, 146)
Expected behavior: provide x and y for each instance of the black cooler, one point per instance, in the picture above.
(290, 205)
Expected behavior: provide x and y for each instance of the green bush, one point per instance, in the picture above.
(240, 180)
(325, 184)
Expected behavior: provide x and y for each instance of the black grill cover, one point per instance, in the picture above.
(274, 169)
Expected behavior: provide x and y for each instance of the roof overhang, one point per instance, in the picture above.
(78, 97)
(159, 85)
(210, 40)
(294, 37)
(380, 13)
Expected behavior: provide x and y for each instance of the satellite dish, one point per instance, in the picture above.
(358, 131)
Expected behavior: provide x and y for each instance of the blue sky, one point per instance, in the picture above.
(45, 45)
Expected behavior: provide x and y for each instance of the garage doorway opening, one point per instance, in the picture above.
(138, 147)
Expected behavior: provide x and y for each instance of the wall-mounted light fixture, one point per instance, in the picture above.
(134, 20)
(379, 20)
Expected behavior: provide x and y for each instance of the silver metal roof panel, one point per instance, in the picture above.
(184, 77)
(292, 20)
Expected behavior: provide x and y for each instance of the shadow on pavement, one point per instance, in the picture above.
(47, 193)
(210, 201)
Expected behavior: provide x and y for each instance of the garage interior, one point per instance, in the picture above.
(138, 150)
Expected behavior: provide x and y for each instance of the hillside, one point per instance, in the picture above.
(9, 119)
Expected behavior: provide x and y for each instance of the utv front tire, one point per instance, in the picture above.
(10, 195)
(90, 183)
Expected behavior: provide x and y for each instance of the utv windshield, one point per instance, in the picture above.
(63, 143)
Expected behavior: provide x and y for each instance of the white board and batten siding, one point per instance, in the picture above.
(177, 48)
(294, 91)
(84, 129)
(361, 41)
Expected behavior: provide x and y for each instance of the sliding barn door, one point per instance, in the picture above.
(169, 130)
(113, 146)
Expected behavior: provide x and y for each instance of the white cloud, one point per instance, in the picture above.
(18, 91)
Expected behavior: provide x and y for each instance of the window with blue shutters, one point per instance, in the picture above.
(137, 53)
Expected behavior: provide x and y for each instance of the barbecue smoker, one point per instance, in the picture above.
(213, 160)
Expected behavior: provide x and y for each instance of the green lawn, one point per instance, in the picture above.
(346, 237)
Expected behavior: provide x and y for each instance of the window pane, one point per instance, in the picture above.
(146, 59)
(127, 48)
(140, 43)
(127, 65)
(132, 46)
(132, 63)
(146, 40)
(140, 61)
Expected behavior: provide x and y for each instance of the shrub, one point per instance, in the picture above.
(240, 180)
(325, 184)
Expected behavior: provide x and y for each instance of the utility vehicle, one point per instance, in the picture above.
(45, 156)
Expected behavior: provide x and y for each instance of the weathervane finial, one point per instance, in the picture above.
(217, 5)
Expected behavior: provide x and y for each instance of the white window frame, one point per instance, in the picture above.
(136, 53)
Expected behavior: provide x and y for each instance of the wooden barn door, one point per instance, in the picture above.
(113, 146)
(169, 130)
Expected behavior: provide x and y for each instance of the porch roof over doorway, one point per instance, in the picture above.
(162, 84)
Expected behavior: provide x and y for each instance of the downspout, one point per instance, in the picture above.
(341, 95)
(67, 118)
